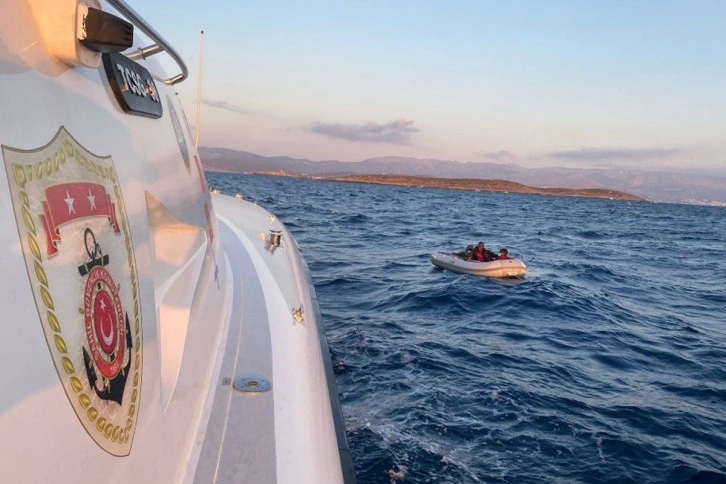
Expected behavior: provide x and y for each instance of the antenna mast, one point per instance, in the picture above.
(199, 87)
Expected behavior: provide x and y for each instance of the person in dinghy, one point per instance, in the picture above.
(481, 254)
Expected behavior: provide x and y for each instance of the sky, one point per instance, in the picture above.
(588, 83)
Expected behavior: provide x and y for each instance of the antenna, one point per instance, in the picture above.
(199, 87)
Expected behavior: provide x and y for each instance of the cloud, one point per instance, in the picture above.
(395, 132)
(225, 105)
(615, 154)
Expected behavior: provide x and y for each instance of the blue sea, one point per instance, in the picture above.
(606, 363)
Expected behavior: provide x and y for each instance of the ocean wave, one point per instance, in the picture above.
(604, 364)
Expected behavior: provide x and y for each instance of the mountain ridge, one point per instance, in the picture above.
(708, 187)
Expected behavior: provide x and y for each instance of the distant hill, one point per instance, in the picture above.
(669, 186)
(478, 184)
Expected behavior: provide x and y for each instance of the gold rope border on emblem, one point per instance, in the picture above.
(50, 165)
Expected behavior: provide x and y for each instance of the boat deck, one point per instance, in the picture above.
(266, 343)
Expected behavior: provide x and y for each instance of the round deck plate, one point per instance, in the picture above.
(251, 384)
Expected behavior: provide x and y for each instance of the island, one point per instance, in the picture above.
(473, 184)
(470, 184)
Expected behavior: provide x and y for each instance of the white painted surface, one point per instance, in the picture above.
(185, 286)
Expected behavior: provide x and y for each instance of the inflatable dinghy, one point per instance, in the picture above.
(495, 268)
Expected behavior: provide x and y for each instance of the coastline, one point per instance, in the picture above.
(469, 184)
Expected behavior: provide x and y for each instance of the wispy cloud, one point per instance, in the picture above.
(225, 105)
(616, 154)
(395, 132)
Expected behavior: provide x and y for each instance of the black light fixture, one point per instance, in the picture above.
(105, 32)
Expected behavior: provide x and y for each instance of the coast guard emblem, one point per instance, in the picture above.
(79, 255)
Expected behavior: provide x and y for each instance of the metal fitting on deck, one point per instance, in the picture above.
(274, 240)
(251, 384)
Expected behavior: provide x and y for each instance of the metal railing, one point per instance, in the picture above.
(160, 45)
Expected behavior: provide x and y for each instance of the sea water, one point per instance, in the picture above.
(606, 363)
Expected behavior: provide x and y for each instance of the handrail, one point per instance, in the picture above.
(161, 45)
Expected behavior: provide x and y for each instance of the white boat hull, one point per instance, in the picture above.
(495, 268)
(150, 331)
